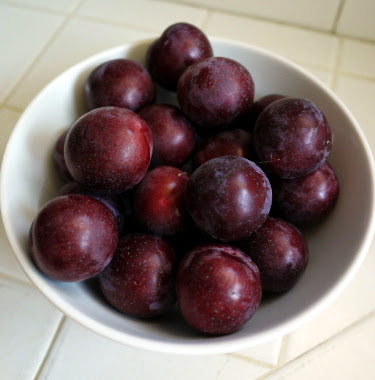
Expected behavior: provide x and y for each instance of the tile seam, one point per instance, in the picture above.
(249, 359)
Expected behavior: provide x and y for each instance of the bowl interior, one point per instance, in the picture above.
(337, 246)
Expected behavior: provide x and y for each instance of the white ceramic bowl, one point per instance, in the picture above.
(337, 247)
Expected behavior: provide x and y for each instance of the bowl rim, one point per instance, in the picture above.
(209, 346)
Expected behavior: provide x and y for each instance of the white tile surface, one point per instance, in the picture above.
(302, 46)
(358, 58)
(28, 323)
(55, 5)
(79, 39)
(150, 15)
(324, 76)
(104, 359)
(316, 14)
(349, 356)
(20, 46)
(357, 300)
(357, 19)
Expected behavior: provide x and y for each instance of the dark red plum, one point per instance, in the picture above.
(280, 252)
(180, 46)
(218, 289)
(259, 106)
(292, 137)
(109, 149)
(59, 158)
(139, 280)
(228, 143)
(306, 199)
(173, 136)
(229, 197)
(74, 237)
(215, 92)
(159, 201)
(113, 202)
(120, 83)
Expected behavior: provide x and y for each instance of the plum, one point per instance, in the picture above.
(215, 92)
(292, 137)
(306, 199)
(280, 252)
(74, 237)
(218, 288)
(113, 202)
(109, 149)
(139, 280)
(228, 197)
(120, 83)
(173, 136)
(180, 46)
(59, 157)
(159, 201)
(228, 143)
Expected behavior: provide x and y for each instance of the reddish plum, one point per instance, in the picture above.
(179, 47)
(59, 158)
(228, 143)
(74, 237)
(120, 83)
(306, 199)
(159, 201)
(215, 92)
(292, 137)
(113, 202)
(139, 280)
(173, 136)
(229, 197)
(109, 149)
(280, 252)
(218, 288)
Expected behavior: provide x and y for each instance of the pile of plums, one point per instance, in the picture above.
(164, 202)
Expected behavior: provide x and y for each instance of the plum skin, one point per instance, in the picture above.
(159, 201)
(215, 92)
(73, 238)
(180, 46)
(228, 197)
(292, 137)
(119, 83)
(218, 288)
(173, 136)
(139, 281)
(108, 149)
(280, 252)
(307, 199)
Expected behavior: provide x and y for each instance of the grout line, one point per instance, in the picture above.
(357, 76)
(323, 343)
(50, 346)
(356, 39)
(42, 51)
(337, 16)
(251, 360)
(206, 19)
(34, 8)
(335, 72)
(12, 108)
(10, 277)
(284, 344)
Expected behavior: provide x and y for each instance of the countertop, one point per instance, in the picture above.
(40, 38)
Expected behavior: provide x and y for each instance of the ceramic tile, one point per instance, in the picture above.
(357, 19)
(347, 309)
(316, 14)
(81, 38)
(324, 76)
(267, 352)
(150, 15)
(349, 356)
(28, 323)
(105, 359)
(55, 5)
(20, 43)
(299, 45)
(358, 95)
(357, 58)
